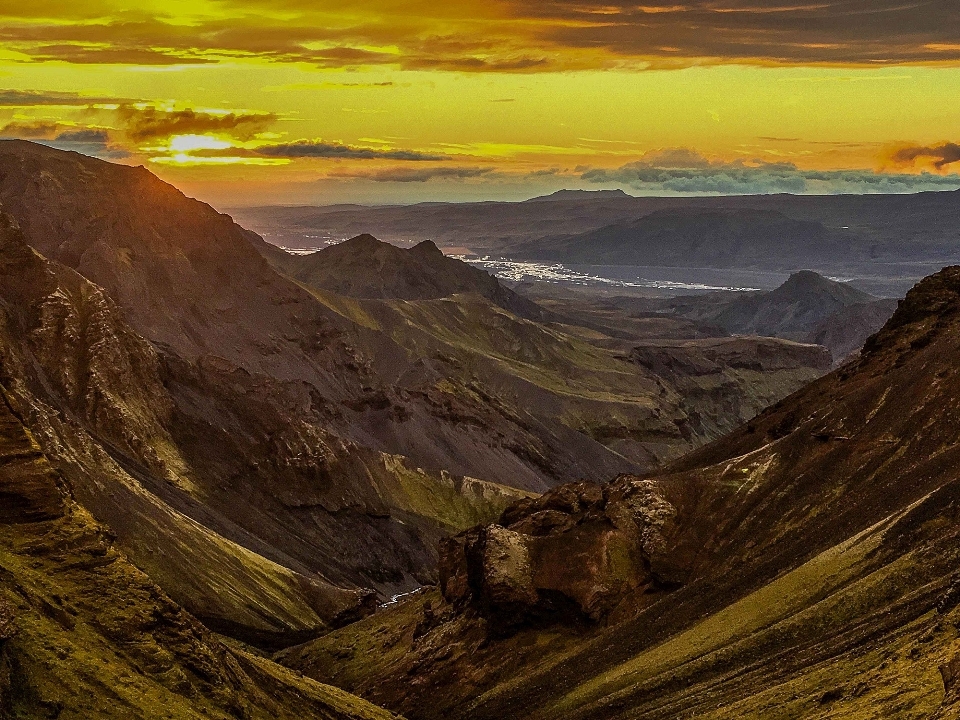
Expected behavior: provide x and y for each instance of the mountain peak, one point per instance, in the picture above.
(427, 247)
(364, 240)
(926, 305)
(807, 283)
(581, 195)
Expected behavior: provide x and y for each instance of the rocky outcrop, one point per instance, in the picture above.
(8, 616)
(28, 492)
(579, 553)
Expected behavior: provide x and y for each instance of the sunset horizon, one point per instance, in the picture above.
(244, 103)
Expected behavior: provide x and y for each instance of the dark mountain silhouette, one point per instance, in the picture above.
(894, 236)
(700, 238)
(580, 195)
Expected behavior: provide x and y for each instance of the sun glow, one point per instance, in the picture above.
(186, 143)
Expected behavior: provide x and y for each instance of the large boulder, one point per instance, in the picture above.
(580, 553)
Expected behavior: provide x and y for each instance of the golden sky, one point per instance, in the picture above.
(297, 101)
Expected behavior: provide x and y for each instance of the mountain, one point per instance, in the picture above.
(791, 310)
(807, 308)
(893, 236)
(277, 457)
(804, 565)
(83, 633)
(845, 331)
(364, 267)
(804, 300)
(699, 238)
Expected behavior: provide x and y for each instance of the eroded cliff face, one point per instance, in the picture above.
(816, 561)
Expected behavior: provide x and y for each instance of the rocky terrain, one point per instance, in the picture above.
(278, 456)
(83, 633)
(805, 565)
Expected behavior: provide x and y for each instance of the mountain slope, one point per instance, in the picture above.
(803, 566)
(85, 634)
(275, 455)
(845, 331)
(805, 299)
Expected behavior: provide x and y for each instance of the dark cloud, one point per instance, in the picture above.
(510, 36)
(940, 156)
(29, 130)
(682, 171)
(38, 98)
(419, 175)
(93, 142)
(147, 123)
(861, 32)
(320, 149)
(550, 172)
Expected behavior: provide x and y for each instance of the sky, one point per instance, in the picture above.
(246, 102)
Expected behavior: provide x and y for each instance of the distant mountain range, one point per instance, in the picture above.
(698, 237)
(892, 235)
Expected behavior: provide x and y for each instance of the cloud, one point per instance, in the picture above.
(417, 175)
(29, 130)
(682, 171)
(510, 36)
(855, 32)
(41, 98)
(95, 142)
(148, 123)
(320, 149)
(939, 156)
